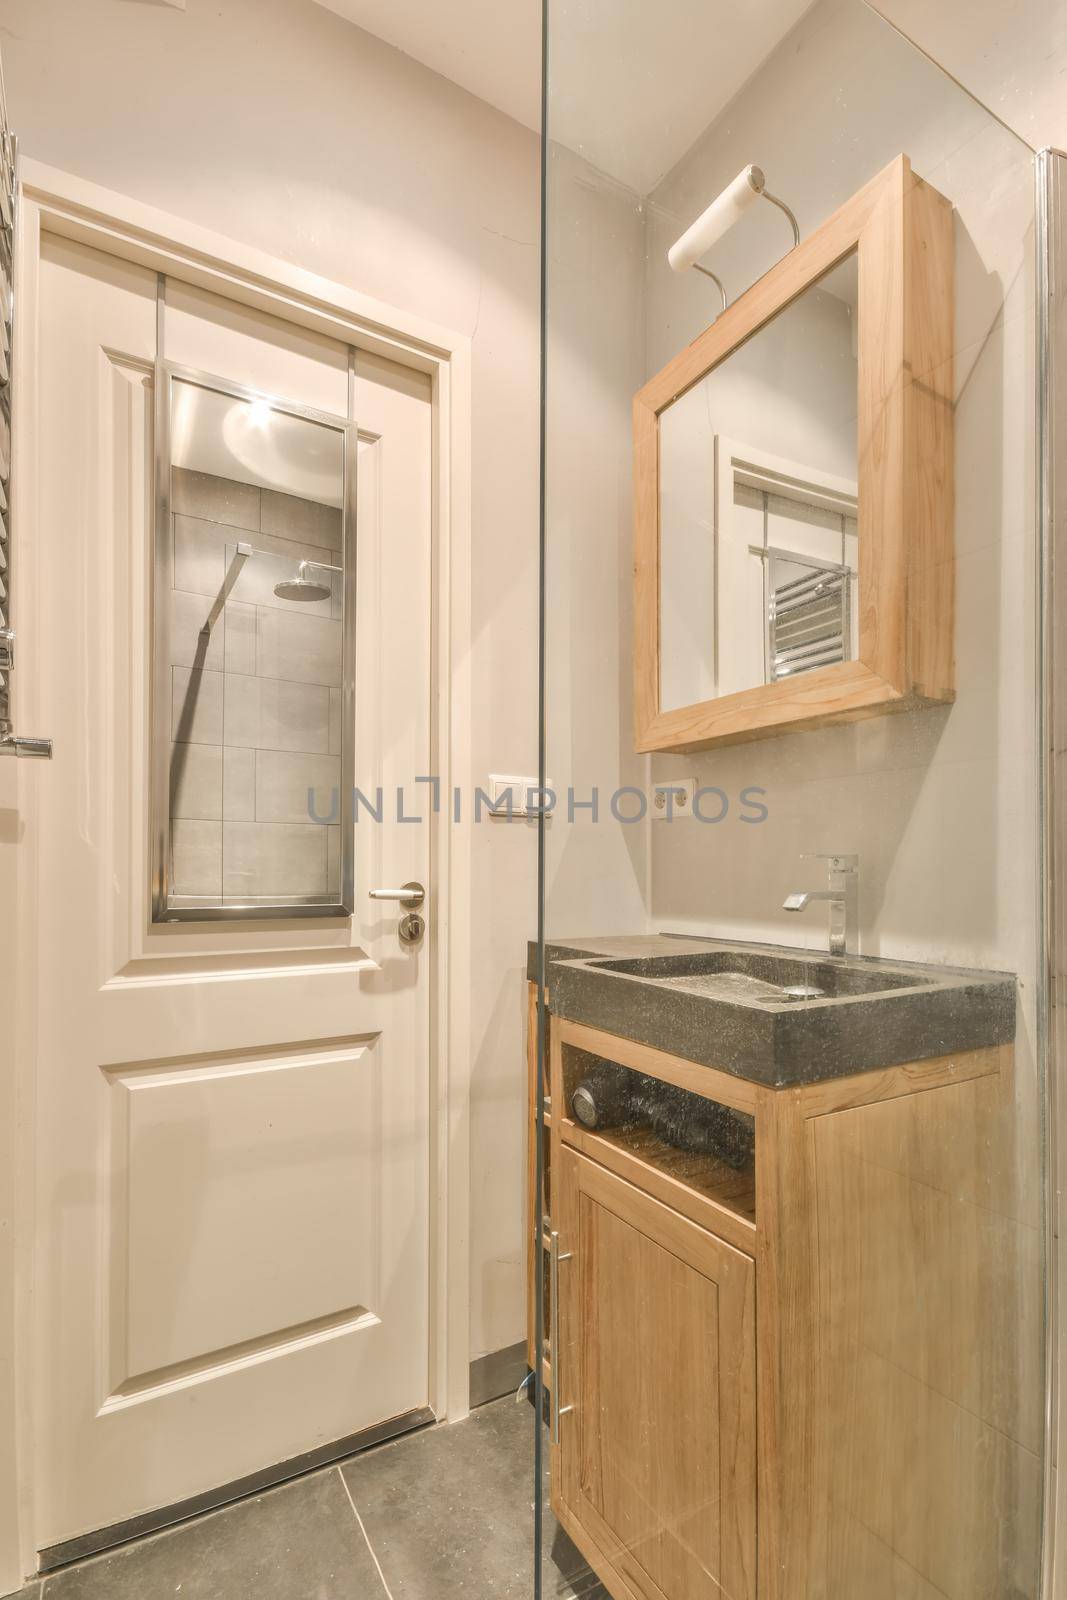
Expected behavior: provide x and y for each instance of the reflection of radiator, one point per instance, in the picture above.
(11, 743)
(808, 618)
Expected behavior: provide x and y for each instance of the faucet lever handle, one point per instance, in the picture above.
(841, 863)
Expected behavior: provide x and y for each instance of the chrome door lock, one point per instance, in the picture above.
(412, 927)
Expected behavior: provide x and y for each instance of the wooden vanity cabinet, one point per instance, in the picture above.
(800, 1384)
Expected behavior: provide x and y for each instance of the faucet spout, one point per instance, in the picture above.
(842, 897)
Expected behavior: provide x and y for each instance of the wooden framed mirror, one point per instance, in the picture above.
(793, 474)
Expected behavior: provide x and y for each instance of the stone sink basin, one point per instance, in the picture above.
(763, 977)
(776, 1015)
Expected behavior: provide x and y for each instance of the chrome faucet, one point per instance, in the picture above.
(842, 896)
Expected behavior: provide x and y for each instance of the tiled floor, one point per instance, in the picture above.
(438, 1515)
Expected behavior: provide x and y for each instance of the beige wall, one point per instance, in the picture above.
(1010, 54)
(279, 124)
(595, 871)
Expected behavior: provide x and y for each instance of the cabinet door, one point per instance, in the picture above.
(655, 1473)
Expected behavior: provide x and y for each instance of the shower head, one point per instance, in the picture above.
(302, 587)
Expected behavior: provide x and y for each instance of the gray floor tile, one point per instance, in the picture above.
(299, 1542)
(449, 1512)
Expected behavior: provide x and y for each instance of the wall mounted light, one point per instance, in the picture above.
(717, 220)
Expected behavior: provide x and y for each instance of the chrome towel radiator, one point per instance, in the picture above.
(11, 743)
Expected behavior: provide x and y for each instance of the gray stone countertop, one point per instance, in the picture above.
(898, 1012)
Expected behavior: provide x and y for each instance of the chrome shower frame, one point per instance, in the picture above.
(164, 908)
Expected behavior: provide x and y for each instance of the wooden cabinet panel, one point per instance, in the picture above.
(657, 1462)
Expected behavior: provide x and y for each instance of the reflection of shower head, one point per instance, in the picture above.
(302, 587)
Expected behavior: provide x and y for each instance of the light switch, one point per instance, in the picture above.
(522, 791)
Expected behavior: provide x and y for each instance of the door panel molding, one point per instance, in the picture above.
(186, 1300)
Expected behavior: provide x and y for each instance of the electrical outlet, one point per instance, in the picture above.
(673, 799)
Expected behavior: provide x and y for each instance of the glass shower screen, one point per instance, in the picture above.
(787, 1206)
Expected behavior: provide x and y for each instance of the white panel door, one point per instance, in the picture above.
(232, 1260)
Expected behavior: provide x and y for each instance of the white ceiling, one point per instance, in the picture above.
(251, 442)
(633, 82)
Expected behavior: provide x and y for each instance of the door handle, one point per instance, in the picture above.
(412, 894)
(14, 744)
(555, 1258)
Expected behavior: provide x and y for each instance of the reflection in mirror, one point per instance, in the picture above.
(759, 550)
(255, 657)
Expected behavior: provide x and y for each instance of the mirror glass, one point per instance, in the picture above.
(253, 655)
(759, 553)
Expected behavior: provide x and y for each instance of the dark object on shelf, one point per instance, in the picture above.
(606, 1097)
(611, 1096)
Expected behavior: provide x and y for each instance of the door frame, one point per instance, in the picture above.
(52, 201)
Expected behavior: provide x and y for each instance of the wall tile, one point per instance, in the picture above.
(283, 780)
(240, 638)
(263, 859)
(270, 714)
(238, 784)
(188, 648)
(302, 649)
(200, 555)
(196, 706)
(196, 781)
(202, 494)
(287, 517)
(196, 857)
